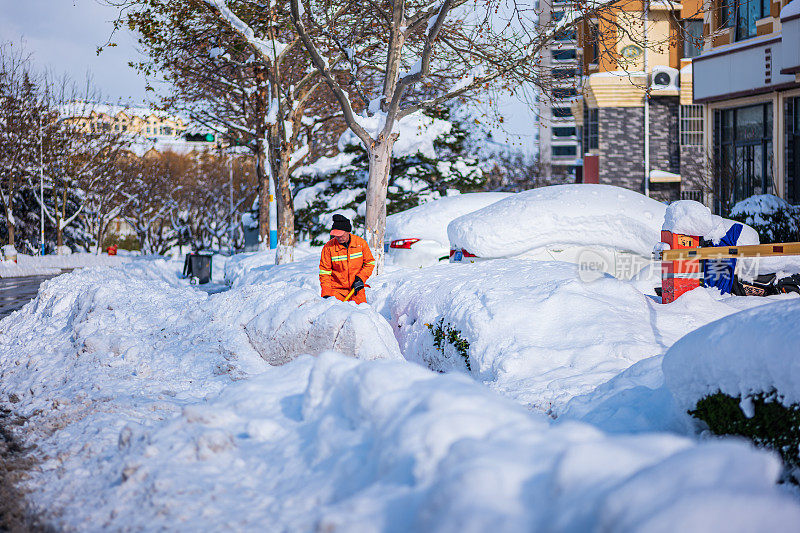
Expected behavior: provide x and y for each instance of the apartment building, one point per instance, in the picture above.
(558, 138)
(637, 123)
(139, 121)
(747, 82)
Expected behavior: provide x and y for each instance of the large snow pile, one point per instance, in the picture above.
(151, 410)
(743, 354)
(430, 220)
(536, 332)
(581, 214)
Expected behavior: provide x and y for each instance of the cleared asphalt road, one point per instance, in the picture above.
(16, 292)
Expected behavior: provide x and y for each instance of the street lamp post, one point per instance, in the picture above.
(41, 190)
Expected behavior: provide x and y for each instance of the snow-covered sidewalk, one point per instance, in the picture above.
(47, 265)
(154, 406)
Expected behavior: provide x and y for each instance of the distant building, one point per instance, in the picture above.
(152, 132)
(747, 81)
(612, 110)
(134, 120)
(558, 139)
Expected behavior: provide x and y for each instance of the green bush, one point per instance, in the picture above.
(773, 218)
(772, 425)
(444, 334)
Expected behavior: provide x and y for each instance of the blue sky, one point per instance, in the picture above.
(64, 35)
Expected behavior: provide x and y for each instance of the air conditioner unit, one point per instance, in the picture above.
(664, 79)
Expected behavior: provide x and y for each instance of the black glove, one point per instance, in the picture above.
(328, 296)
(357, 285)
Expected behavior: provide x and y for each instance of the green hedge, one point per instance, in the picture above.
(444, 334)
(772, 425)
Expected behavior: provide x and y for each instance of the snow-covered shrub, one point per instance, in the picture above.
(444, 336)
(741, 375)
(760, 417)
(773, 218)
(435, 164)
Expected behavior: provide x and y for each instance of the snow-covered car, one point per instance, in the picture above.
(600, 227)
(417, 237)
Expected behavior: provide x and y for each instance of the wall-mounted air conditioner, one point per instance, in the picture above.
(664, 79)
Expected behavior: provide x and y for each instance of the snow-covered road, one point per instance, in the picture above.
(154, 405)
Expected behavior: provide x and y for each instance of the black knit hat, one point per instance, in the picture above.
(341, 223)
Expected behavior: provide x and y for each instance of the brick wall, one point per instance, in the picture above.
(621, 146)
(621, 142)
(664, 147)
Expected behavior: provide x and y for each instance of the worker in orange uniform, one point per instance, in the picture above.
(346, 263)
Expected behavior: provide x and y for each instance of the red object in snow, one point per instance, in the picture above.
(403, 243)
(678, 277)
(112, 250)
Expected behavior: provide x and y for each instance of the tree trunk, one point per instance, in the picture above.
(59, 236)
(380, 164)
(10, 226)
(262, 174)
(286, 237)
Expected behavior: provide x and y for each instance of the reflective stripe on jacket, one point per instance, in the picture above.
(339, 265)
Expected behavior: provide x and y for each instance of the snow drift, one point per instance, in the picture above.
(151, 409)
(536, 331)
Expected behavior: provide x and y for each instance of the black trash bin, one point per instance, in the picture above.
(197, 266)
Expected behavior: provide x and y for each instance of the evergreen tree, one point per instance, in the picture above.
(340, 187)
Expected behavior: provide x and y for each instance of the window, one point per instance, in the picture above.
(692, 37)
(594, 44)
(564, 73)
(561, 92)
(562, 151)
(792, 121)
(563, 55)
(743, 153)
(589, 135)
(567, 35)
(691, 125)
(557, 15)
(562, 112)
(564, 131)
(742, 15)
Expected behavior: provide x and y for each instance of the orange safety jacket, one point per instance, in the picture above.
(339, 265)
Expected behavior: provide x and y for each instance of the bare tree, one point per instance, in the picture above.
(238, 69)
(427, 52)
(20, 114)
(75, 158)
